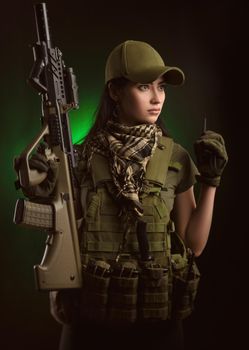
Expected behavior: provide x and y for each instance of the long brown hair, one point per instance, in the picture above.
(106, 110)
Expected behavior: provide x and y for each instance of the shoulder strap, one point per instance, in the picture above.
(157, 166)
(100, 169)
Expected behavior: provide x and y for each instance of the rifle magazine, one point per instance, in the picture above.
(32, 214)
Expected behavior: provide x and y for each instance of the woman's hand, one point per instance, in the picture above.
(65, 305)
(211, 158)
(42, 164)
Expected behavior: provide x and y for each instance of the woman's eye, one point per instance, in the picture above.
(143, 87)
(162, 87)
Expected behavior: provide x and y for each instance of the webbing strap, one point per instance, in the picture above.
(116, 227)
(132, 246)
(175, 165)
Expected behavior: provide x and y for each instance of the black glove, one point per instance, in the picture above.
(40, 163)
(211, 157)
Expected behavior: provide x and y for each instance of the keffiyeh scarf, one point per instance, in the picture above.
(128, 149)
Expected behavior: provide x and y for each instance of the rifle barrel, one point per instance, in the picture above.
(42, 28)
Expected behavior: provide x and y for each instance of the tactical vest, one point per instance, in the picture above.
(117, 284)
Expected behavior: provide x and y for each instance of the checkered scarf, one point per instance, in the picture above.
(128, 149)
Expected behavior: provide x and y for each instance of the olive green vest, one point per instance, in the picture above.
(126, 288)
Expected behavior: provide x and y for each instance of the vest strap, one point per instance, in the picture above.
(157, 169)
(100, 169)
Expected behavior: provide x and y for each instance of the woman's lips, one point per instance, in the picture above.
(154, 111)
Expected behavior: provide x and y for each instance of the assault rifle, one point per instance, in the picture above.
(60, 267)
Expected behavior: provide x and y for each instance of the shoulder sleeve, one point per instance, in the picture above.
(187, 170)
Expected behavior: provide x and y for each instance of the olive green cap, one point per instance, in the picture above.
(140, 63)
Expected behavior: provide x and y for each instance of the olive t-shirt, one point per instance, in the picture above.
(181, 174)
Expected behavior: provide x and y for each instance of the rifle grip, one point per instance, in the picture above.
(27, 176)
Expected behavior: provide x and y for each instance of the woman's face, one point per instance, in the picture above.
(141, 103)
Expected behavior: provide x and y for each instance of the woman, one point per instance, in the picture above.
(134, 95)
(136, 186)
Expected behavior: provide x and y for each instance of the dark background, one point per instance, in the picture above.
(208, 41)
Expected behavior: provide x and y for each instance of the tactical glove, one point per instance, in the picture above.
(211, 158)
(39, 162)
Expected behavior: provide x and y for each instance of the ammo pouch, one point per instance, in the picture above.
(109, 294)
(153, 293)
(121, 293)
(186, 277)
(94, 296)
(122, 302)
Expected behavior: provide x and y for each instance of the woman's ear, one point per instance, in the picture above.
(112, 92)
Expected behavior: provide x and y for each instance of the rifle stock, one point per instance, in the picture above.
(56, 84)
